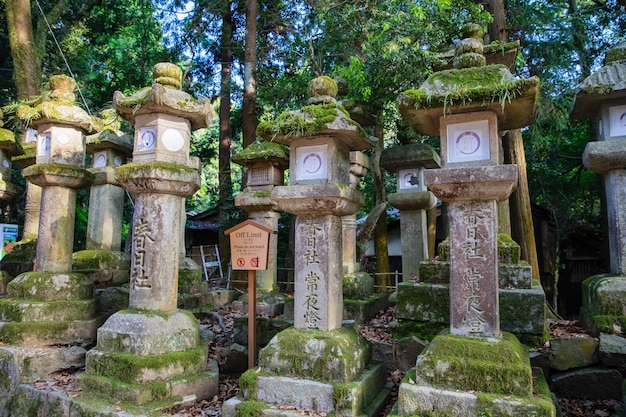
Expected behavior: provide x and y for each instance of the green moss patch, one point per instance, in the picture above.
(339, 355)
(99, 259)
(477, 85)
(495, 366)
(50, 286)
(130, 368)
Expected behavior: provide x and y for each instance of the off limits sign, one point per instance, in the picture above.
(249, 245)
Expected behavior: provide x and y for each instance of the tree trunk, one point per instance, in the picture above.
(497, 29)
(26, 63)
(521, 220)
(383, 279)
(226, 203)
(249, 94)
(522, 228)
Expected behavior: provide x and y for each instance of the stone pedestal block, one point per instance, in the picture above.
(604, 304)
(481, 376)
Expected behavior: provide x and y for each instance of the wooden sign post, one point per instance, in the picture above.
(249, 247)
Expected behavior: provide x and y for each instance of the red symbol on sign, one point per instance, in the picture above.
(254, 262)
(241, 262)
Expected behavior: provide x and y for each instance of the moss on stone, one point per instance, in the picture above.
(98, 259)
(496, 366)
(262, 150)
(461, 87)
(250, 408)
(63, 170)
(424, 330)
(128, 367)
(509, 251)
(45, 332)
(50, 286)
(148, 169)
(334, 356)
(248, 383)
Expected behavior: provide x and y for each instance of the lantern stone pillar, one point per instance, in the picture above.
(160, 176)
(359, 164)
(471, 180)
(320, 137)
(103, 260)
(8, 190)
(602, 96)
(53, 305)
(412, 199)
(265, 164)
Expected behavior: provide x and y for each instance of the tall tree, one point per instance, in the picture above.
(250, 57)
(521, 221)
(226, 202)
(24, 50)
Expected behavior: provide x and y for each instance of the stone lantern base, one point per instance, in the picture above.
(48, 308)
(146, 356)
(467, 376)
(603, 307)
(105, 268)
(325, 372)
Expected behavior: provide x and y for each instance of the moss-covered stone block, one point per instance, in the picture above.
(339, 355)
(365, 395)
(421, 329)
(100, 259)
(46, 333)
(434, 272)
(148, 332)
(424, 302)
(144, 369)
(196, 386)
(53, 311)
(5, 278)
(523, 311)
(573, 352)
(489, 365)
(362, 310)
(51, 286)
(357, 285)
(604, 304)
(509, 251)
(604, 295)
(512, 276)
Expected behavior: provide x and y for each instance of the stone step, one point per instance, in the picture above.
(41, 333)
(22, 310)
(186, 389)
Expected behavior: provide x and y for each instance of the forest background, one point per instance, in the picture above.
(254, 59)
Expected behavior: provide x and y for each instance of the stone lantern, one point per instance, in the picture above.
(8, 149)
(412, 199)
(602, 96)
(265, 163)
(467, 107)
(103, 260)
(56, 306)
(320, 137)
(161, 175)
(33, 191)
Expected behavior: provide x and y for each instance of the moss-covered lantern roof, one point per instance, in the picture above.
(165, 96)
(413, 154)
(607, 83)
(109, 136)
(56, 106)
(471, 86)
(323, 116)
(262, 150)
